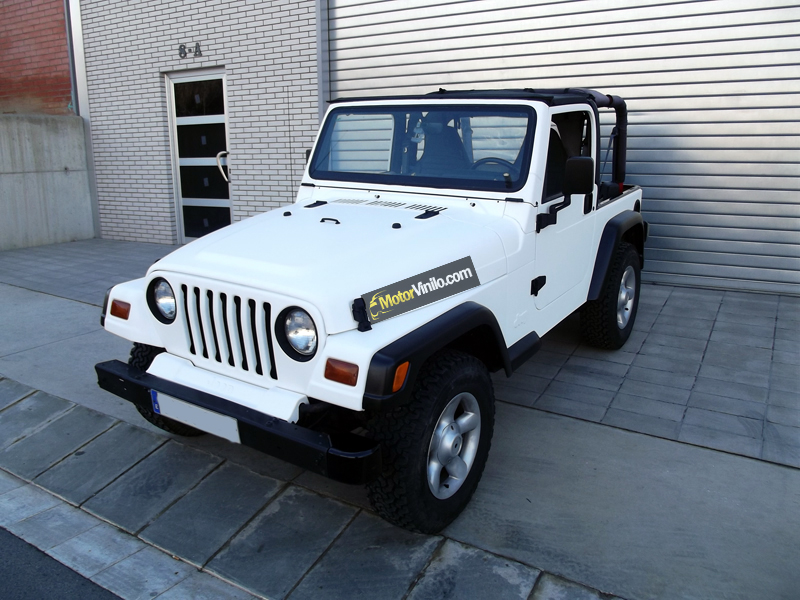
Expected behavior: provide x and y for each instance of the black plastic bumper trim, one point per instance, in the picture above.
(344, 457)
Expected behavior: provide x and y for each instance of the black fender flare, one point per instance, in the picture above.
(419, 345)
(617, 229)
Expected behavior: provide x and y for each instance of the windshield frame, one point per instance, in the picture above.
(321, 152)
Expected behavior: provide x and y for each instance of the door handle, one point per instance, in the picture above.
(219, 165)
(550, 217)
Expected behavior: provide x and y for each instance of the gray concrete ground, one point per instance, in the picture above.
(669, 469)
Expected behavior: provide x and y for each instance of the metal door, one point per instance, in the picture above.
(199, 135)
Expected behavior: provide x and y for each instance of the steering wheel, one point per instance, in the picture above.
(493, 160)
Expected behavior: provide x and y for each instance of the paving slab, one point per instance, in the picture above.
(67, 269)
(550, 587)
(672, 352)
(458, 571)
(11, 391)
(351, 494)
(54, 526)
(289, 536)
(142, 493)
(621, 356)
(579, 376)
(571, 408)
(196, 526)
(733, 375)
(84, 473)
(29, 415)
(633, 515)
(649, 407)
(738, 356)
(785, 454)
(65, 368)
(658, 377)
(662, 393)
(96, 549)
(515, 395)
(24, 502)
(143, 575)
(580, 393)
(24, 312)
(781, 398)
(723, 422)
(730, 406)
(782, 434)
(720, 439)
(642, 423)
(371, 559)
(530, 383)
(8, 482)
(39, 451)
(728, 389)
(202, 586)
(674, 341)
(783, 415)
(657, 362)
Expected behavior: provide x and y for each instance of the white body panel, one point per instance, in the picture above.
(358, 238)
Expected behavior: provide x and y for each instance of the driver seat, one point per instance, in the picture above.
(444, 152)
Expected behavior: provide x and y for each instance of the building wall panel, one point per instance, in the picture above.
(268, 52)
(713, 90)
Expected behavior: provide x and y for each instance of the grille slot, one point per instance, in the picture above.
(228, 329)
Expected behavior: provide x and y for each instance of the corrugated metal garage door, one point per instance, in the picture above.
(713, 88)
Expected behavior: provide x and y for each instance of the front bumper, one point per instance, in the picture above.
(343, 456)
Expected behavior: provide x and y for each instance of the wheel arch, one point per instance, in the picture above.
(628, 226)
(469, 327)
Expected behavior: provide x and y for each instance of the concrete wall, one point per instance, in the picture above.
(44, 186)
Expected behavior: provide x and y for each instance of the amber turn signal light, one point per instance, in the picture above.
(400, 376)
(341, 372)
(120, 309)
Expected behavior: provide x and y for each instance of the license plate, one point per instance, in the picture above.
(201, 418)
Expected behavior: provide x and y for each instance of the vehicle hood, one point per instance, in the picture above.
(332, 253)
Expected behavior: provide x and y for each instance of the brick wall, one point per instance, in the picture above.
(268, 52)
(34, 58)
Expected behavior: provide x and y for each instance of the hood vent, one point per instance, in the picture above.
(387, 204)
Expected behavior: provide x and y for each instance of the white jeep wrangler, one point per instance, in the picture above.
(434, 239)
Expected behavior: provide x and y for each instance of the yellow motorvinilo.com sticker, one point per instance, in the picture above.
(422, 289)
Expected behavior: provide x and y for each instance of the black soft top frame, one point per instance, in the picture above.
(551, 97)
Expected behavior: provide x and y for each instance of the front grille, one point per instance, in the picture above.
(229, 329)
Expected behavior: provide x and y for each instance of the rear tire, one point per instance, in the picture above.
(142, 357)
(435, 447)
(608, 321)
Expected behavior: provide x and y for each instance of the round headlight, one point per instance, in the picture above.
(301, 333)
(162, 300)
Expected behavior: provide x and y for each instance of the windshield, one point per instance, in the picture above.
(484, 148)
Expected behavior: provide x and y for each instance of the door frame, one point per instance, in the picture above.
(182, 77)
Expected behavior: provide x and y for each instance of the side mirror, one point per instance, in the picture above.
(579, 176)
(308, 155)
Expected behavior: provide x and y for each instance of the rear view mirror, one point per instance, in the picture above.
(579, 176)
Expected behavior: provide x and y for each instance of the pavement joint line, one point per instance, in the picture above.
(281, 490)
(324, 552)
(59, 341)
(63, 458)
(186, 493)
(22, 287)
(161, 445)
(434, 555)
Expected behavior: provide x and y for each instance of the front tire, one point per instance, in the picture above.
(608, 321)
(142, 357)
(435, 447)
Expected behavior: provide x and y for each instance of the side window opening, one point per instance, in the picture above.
(570, 135)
